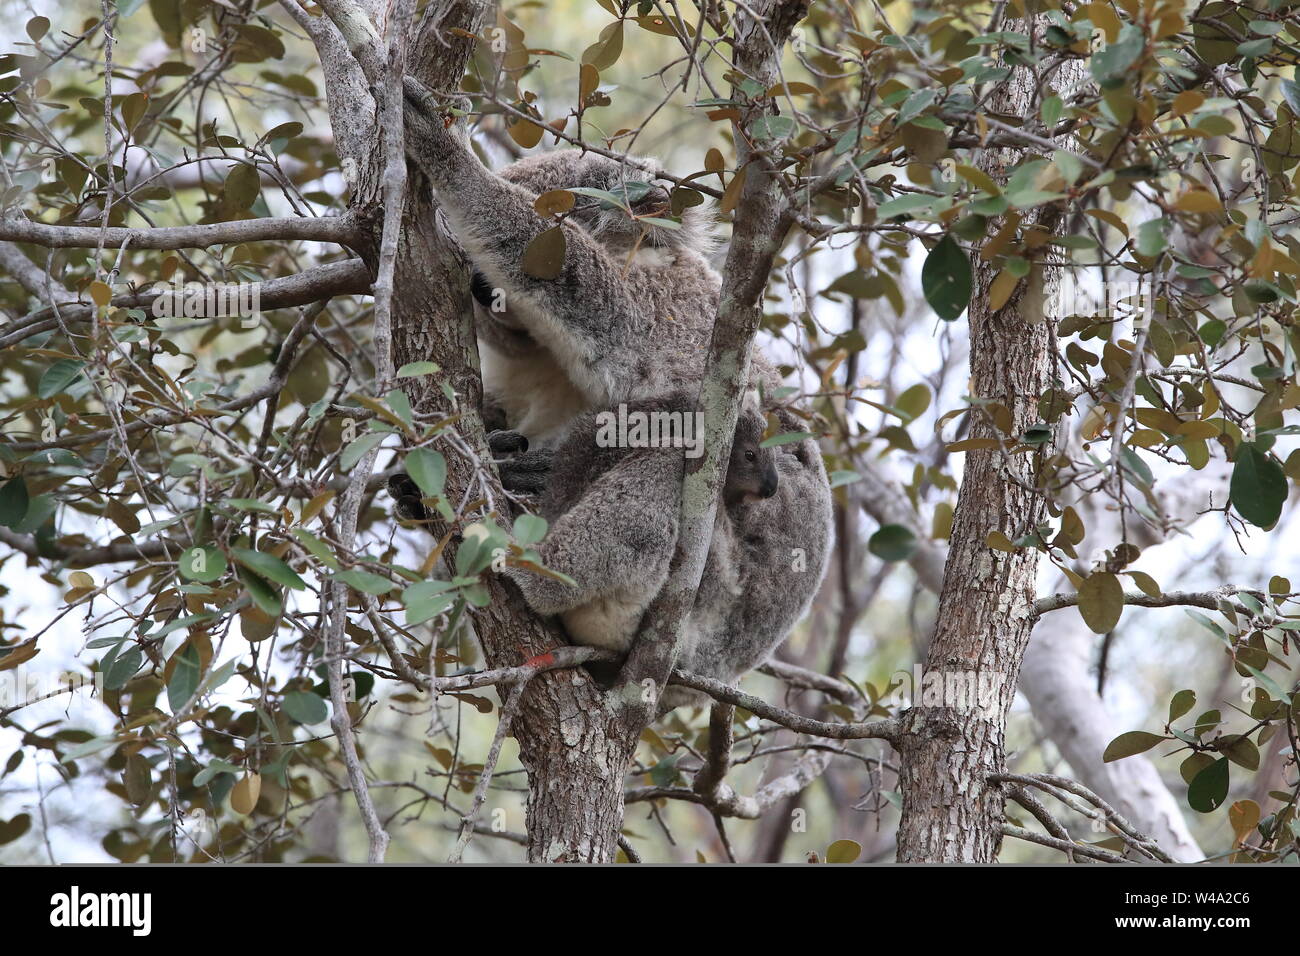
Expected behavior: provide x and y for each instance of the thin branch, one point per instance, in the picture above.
(1210, 600)
(1065, 846)
(884, 729)
(508, 710)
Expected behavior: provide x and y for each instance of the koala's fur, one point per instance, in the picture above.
(614, 527)
(628, 319)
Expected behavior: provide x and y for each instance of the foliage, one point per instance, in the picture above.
(194, 528)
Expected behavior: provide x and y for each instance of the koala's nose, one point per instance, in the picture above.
(770, 481)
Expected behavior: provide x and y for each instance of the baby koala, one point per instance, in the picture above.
(613, 504)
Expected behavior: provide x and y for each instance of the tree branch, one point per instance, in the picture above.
(884, 729)
(1210, 600)
(758, 231)
(336, 229)
(350, 277)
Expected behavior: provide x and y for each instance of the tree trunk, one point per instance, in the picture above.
(951, 813)
(568, 742)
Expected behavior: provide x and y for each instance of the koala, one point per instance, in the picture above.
(628, 319)
(613, 512)
(630, 314)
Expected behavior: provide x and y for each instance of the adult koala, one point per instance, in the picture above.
(628, 318)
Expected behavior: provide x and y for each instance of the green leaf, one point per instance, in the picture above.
(1270, 685)
(400, 403)
(605, 51)
(320, 551)
(1258, 488)
(903, 206)
(264, 596)
(212, 770)
(1153, 237)
(357, 450)
(1110, 64)
(1209, 788)
(185, 678)
(242, 186)
(946, 279)
(773, 127)
(913, 402)
(1240, 749)
(123, 668)
(202, 564)
(892, 542)
(482, 540)
(1291, 93)
(529, 529)
(304, 707)
(283, 131)
(366, 582)
(413, 369)
(85, 749)
(426, 600)
(268, 566)
(785, 438)
(1129, 744)
(58, 377)
(1181, 703)
(1101, 601)
(843, 478)
(1037, 435)
(13, 502)
(843, 851)
(39, 510)
(428, 469)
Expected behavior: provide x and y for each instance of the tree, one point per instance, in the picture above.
(214, 361)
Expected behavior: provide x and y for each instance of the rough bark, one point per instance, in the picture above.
(568, 744)
(951, 813)
(575, 743)
(1056, 682)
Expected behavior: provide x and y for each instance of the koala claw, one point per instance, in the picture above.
(525, 473)
(507, 442)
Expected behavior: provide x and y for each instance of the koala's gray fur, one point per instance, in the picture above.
(614, 513)
(628, 319)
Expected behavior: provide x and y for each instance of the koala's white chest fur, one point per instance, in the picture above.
(608, 622)
(538, 398)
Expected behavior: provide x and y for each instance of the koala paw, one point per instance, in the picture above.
(521, 471)
(430, 107)
(505, 441)
(525, 474)
(406, 498)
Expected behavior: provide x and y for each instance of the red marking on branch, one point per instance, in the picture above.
(541, 660)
